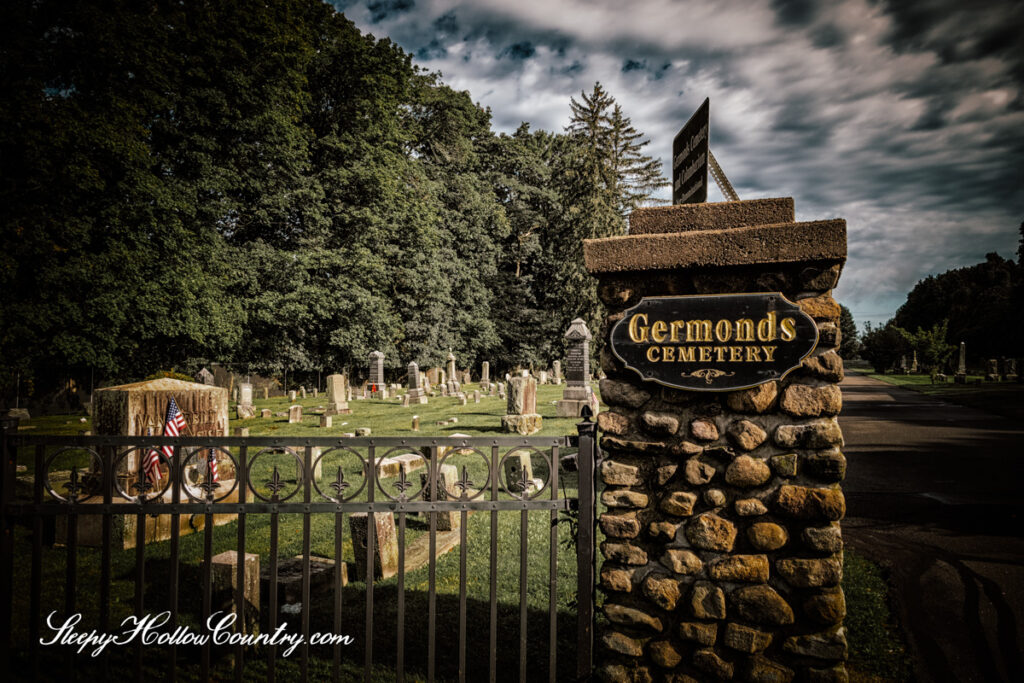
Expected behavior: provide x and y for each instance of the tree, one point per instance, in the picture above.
(932, 349)
(883, 346)
(849, 346)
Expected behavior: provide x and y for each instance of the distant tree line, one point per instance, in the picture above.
(979, 305)
(260, 184)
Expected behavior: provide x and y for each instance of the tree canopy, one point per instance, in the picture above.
(264, 185)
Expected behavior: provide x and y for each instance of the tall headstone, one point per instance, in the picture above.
(485, 376)
(295, 414)
(716, 567)
(337, 395)
(913, 364)
(244, 407)
(453, 378)
(416, 393)
(522, 417)
(266, 393)
(992, 370)
(302, 391)
(446, 490)
(577, 392)
(556, 372)
(1011, 370)
(961, 367)
(375, 383)
(385, 544)
(205, 377)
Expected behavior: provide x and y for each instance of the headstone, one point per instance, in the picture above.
(992, 370)
(485, 376)
(466, 377)
(444, 389)
(961, 368)
(375, 381)
(241, 431)
(266, 393)
(337, 395)
(1011, 370)
(913, 364)
(462, 399)
(521, 417)
(385, 544)
(348, 392)
(316, 392)
(415, 423)
(501, 390)
(224, 584)
(416, 394)
(244, 407)
(326, 421)
(556, 372)
(447, 475)
(322, 578)
(362, 431)
(405, 400)
(518, 470)
(476, 396)
(902, 367)
(295, 414)
(453, 382)
(524, 373)
(234, 394)
(205, 377)
(542, 377)
(302, 391)
(292, 395)
(578, 392)
(266, 413)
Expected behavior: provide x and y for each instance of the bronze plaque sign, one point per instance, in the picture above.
(690, 159)
(714, 343)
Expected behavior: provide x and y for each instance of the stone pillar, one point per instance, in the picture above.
(416, 393)
(723, 551)
(485, 376)
(961, 368)
(452, 374)
(224, 583)
(375, 382)
(522, 417)
(578, 392)
(337, 395)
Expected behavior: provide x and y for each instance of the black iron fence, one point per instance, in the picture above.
(61, 492)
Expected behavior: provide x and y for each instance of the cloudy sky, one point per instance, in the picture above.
(904, 118)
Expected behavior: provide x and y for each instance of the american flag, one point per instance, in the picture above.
(211, 463)
(174, 425)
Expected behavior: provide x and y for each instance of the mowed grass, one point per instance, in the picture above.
(998, 398)
(876, 650)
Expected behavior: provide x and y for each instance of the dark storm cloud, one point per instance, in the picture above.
(907, 119)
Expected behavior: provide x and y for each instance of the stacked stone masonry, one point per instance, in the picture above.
(723, 553)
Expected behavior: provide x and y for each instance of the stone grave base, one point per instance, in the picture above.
(959, 379)
(521, 424)
(245, 412)
(573, 408)
(332, 410)
(123, 527)
(289, 579)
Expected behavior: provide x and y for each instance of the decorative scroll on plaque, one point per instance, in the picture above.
(714, 343)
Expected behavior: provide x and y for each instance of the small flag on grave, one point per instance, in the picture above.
(174, 425)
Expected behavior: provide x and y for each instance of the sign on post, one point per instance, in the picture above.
(690, 159)
(714, 343)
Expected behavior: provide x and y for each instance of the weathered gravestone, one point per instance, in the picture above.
(295, 414)
(337, 395)
(737, 563)
(244, 408)
(556, 372)
(961, 367)
(204, 376)
(266, 413)
(485, 376)
(292, 396)
(447, 475)
(375, 387)
(302, 391)
(416, 394)
(913, 364)
(139, 409)
(326, 421)
(452, 384)
(992, 371)
(385, 544)
(1011, 369)
(522, 417)
(224, 583)
(578, 392)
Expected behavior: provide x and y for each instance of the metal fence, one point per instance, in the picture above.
(278, 476)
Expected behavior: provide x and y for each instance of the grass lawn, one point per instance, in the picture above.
(876, 651)
(998, 398)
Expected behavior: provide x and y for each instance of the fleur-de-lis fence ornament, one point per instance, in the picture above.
(339, 484)
(275, 484)
(143, 485)
(464, 483)
(523, 483)
(209, 486)
(402, 484)
(73, 486)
